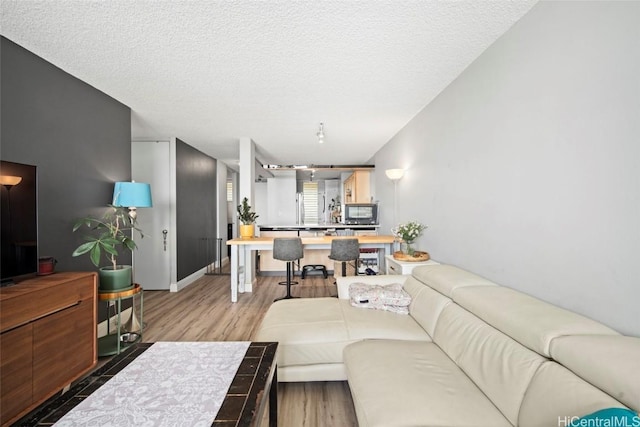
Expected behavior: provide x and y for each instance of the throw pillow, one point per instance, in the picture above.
(381, 297)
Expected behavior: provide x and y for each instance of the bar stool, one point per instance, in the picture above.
(287, 249)
(344, 250)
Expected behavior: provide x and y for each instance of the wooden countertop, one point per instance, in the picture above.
(337, 226)
(314, 240)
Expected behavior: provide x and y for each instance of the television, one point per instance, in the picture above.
(18, 222)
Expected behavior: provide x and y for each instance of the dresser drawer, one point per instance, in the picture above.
(404, 267)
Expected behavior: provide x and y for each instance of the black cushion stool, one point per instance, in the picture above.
(313, 268)
(344, 250)
(287, 249)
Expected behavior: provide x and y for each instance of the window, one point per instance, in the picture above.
(229, 190)
(310, 192)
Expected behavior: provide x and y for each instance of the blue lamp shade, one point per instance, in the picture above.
(132, 195)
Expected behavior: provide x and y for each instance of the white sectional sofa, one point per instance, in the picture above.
(470, 353)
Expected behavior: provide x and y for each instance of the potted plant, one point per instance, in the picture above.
(408, 233)
(106, 236)
(248, 219)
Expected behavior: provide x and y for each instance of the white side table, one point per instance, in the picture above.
(393, 266)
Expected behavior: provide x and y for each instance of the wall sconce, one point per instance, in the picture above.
(320, 133)
(394, 174)
(132, 195)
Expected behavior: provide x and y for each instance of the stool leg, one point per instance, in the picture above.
(288, 280)
(288, 283)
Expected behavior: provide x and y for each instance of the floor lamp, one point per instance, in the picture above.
(8, 182)
(395, 175)
(132, 195)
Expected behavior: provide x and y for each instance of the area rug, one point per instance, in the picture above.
(170, 384)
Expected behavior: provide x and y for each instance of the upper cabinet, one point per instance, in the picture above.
(357, 187)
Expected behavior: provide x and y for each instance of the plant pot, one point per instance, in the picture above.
(115, 280)
(46, 265)
(247, 231)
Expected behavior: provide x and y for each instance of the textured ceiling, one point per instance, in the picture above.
(209, 72)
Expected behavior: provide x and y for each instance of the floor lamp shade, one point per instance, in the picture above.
(394, 174)
(132, 195)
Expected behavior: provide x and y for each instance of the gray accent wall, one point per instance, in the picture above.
(196, 206)
(78, 137)
(526, 168)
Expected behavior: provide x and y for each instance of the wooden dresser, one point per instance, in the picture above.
(47, 338)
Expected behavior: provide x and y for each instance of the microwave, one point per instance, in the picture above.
(360, 213)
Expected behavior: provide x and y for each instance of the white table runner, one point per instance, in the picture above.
(170, 384)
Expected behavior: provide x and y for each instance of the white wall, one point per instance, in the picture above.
(526, 167)
(282, 198)
(261, 205)
(222, 215)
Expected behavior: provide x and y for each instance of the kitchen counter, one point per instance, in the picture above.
(316, 227)
(243, 274)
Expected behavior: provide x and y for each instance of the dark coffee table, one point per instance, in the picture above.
(244, 403)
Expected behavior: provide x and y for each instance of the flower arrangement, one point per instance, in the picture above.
(408, 233)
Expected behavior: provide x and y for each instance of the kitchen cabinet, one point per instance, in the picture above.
(48, 338)
(357, 187)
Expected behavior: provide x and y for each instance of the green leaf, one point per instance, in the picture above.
(110, 249)
(95, 255)
(83, 249)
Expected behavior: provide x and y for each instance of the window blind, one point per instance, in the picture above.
(310, 192)
(229, 191)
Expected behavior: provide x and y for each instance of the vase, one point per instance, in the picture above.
(247, 231)
(115, 280)
(408, 248)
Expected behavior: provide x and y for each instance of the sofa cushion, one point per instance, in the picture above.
(610, 362)
(426, 304)
(410, 383)
(309, 330)
(498, 365)
(447, 278)
(555, 395)
(362, 324)
(530, 321)
(316, 330)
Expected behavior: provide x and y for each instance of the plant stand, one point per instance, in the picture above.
(119, 339)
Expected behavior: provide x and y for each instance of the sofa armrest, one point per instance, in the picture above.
(385, 279)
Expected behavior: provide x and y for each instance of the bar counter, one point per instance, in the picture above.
(317, 227)
(241, 255)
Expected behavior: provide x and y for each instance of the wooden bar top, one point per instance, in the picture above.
(314, 240)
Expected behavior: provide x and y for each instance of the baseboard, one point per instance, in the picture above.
(175, 287)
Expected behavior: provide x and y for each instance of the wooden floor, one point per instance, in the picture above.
(203, 312)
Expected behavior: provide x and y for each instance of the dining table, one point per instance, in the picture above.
(243, 266)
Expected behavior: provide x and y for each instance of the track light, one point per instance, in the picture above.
(320, 133)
